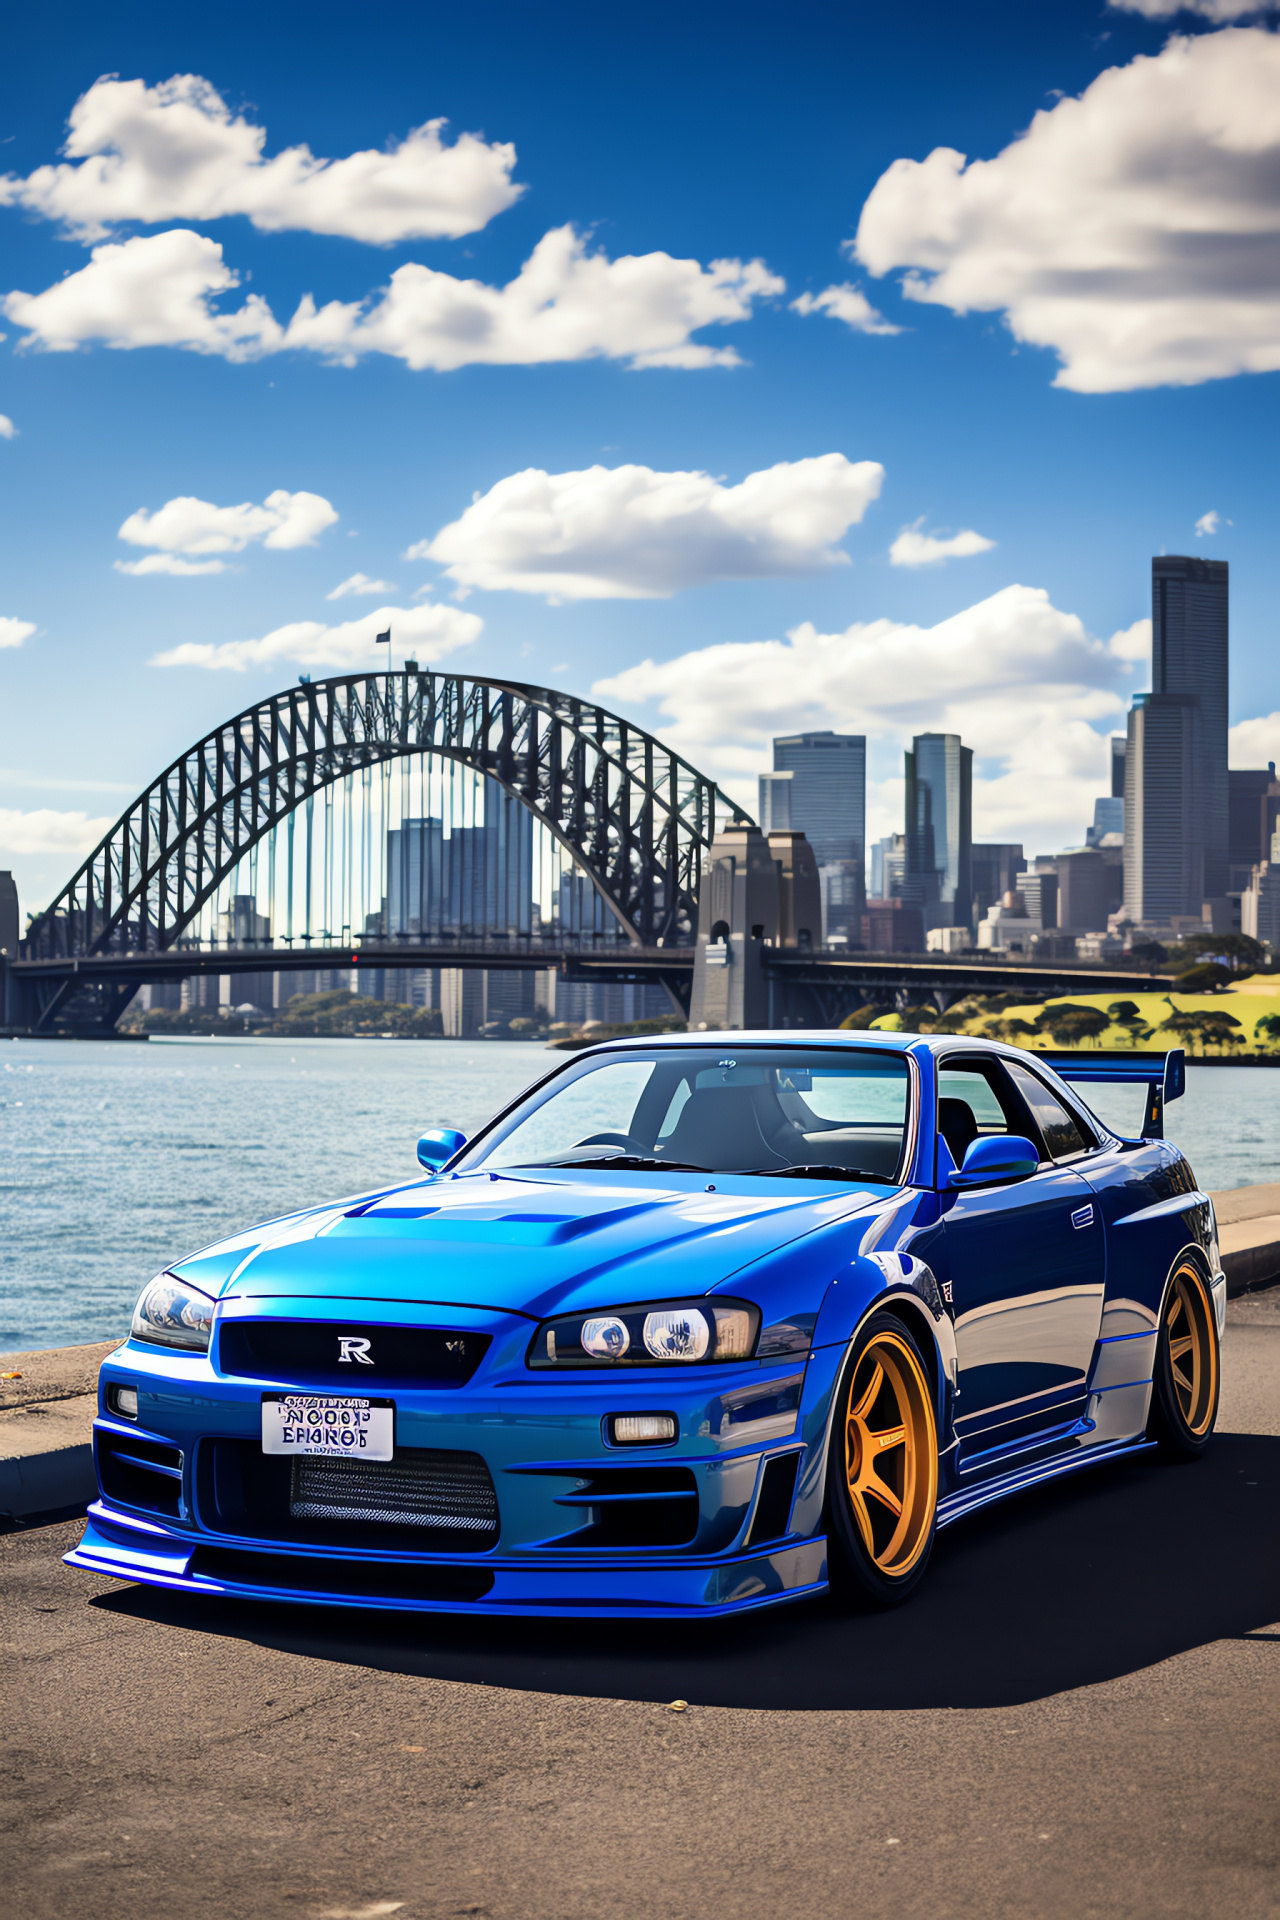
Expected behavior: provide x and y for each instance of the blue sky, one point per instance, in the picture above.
(1126, 248)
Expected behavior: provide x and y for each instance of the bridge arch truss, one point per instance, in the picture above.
(633, 815)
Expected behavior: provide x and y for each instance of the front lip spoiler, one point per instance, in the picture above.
(574, 1587)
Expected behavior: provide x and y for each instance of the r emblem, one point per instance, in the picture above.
(351, 1349)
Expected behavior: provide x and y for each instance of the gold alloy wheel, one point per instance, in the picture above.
(891, 1454)
(1193, 1350)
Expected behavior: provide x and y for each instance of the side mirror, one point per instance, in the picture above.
(439, 1146)
(995, 1157)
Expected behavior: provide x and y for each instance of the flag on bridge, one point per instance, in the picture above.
(383, 639)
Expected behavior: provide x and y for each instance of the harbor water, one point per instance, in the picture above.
(116, 1158)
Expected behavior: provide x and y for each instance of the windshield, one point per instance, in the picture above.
(800, 1111)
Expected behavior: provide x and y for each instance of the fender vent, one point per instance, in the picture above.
(777, 1490)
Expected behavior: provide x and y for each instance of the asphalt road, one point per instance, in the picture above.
(1079, 1715)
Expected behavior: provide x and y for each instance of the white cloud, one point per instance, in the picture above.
(1207, 525)
(629, 533)
(14, 632)
(169, 563)
(1216, 10)
(44, 830)
(148, 292)
(431, 631)
(915, 549)
(174, 152)
(359, 583)
(1133, 643)
(186, 525)
(1254, 743)
(7, 429)
(1023, 683)
(1135, 230)
(565, 303)
(846, 303)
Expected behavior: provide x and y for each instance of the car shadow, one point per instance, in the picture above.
(1095, 1577)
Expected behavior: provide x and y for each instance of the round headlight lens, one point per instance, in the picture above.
(173, 1315)
(606, 1338)
(680, 1333)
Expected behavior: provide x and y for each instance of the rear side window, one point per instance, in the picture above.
(1063, 1134)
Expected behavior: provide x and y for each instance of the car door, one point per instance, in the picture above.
(1025, 1262)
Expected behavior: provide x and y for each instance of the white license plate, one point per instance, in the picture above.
(333, 1425)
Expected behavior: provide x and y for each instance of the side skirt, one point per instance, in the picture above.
(969, 1499)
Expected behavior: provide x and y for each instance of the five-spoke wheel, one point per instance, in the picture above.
(1184, 1398)
(883, 1473)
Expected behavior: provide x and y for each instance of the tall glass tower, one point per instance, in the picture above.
(939, 829)
(1177, 807)
(818, 787)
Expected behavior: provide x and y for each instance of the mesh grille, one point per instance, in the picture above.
(443, 1492)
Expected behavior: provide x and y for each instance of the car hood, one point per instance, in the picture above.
(529, 1243)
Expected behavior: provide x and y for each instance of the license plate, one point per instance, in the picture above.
(334, 1425)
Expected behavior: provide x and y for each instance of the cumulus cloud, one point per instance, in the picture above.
(628, 533)
(1216, 10)
(1023, 682)
(915, 549)
(1207, 525)
(846, 303)
(566, 303)
(431, 631)
(14, 632)
(1134, 230)
(1254, 743)
(44, 830)
(7, 429)
(359, 583)
(186, 525)
(175, 152)
(148, 292)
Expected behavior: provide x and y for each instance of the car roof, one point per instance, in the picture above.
(811, 1037)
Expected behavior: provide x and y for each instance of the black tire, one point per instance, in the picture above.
(878, 1556)
(1187, 1380)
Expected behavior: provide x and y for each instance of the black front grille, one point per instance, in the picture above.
(287, 1573)
(426, 1500)
(140, 1473)
(307, 1353)
(450, 1491)
(777, 1490)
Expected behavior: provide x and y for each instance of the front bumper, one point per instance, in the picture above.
(631, 1588)
(541, 1440)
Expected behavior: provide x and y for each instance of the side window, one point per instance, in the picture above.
(974, 1099)
(1063, 1134)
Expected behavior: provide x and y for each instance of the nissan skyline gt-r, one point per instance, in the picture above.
(697, 1325)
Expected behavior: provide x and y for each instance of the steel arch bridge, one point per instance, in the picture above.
(634, 816)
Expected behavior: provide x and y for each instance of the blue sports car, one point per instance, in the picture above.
(697, 1325)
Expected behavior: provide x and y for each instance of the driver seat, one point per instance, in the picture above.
(718, 1129)
(958, 1127)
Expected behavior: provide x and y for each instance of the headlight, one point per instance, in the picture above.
(679, 1331)
(173, 1314)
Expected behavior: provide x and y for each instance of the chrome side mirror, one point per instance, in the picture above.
(437, 1148)
(995, 1157)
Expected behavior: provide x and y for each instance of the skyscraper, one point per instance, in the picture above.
(1176, 788)
(828, 792)
(825, 798)
(939, 829)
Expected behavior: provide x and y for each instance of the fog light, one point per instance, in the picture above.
(641, 1429)
(124, 1401)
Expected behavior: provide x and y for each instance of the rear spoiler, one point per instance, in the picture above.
(1163, 1074)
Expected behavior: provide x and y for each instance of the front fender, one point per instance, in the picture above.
(903, 1284)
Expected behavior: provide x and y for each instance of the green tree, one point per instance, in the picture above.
(859, 1021)
(1127, 1014)
(1013, 1030)
(1209, 977)
(1069, 1025)
(1204, 1028)
(1268, 1028)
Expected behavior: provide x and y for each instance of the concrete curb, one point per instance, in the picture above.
(45, 1482)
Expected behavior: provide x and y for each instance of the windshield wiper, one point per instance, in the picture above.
(823, 1173)
(631, 1163)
